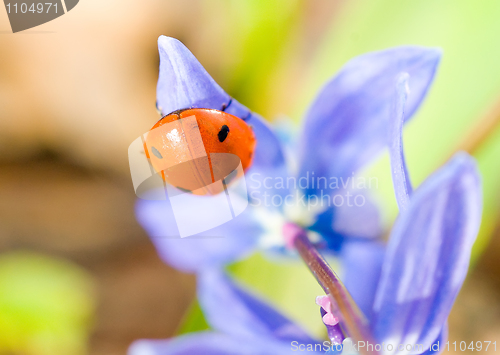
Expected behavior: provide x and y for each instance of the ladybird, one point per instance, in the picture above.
(193, 149)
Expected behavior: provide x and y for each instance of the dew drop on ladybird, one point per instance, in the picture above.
(156, 153)
(223, 133)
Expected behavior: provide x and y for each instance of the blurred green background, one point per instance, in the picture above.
(78, 275)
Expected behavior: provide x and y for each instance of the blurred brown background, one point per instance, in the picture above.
(74, 93)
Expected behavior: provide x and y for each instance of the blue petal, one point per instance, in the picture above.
(269, 159)
(236, 109)
(183, 82)
(223, 244)
(439, 345)
(347, 219)
(346, 126)
(324, 227)
(207, 343)
(358, 216)
(361, 267)
(400, 176)
(269, 165)
(428, 255)
(232, 310)
(269, 153)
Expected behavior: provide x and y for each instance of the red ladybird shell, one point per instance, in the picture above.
(194, 148)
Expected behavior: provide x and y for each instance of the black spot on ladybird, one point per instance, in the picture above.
(156, 153)
(223, 133)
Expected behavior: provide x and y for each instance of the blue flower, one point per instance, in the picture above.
(345, 129)
(407, 288)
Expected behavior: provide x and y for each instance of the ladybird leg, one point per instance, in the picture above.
(224, 106)
(158, 109)
(236, 109)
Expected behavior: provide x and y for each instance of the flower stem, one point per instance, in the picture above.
(481, 131)
(351, 317)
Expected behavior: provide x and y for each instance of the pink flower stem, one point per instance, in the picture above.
(352, 319)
